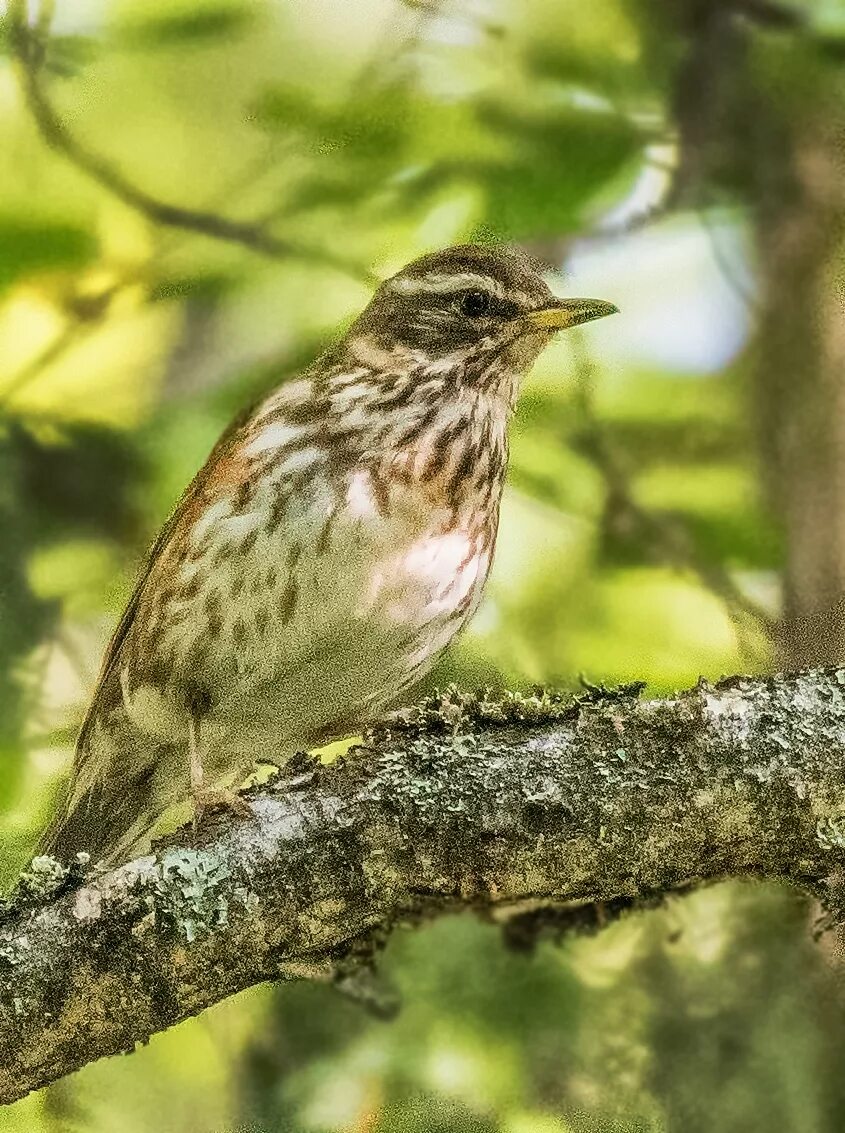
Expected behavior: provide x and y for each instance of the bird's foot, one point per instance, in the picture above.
(299, 770)
(219, 799)
(285, 783)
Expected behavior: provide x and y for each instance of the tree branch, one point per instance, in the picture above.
(28, 48)
(499, 806)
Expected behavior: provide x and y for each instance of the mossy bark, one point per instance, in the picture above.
(502, 806)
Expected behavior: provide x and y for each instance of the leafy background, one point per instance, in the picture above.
(675, 504)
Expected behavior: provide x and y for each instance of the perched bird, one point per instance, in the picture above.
(335, 541)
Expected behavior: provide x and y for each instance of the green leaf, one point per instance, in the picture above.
(285, 106)
(373, 127)
(188, 27)
(68, 55)
(557, 165)
(28, 247)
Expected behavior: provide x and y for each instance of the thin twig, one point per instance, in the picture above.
(28, 48)
(727, 269)
(52, 352)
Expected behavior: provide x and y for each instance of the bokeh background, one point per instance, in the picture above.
(676, 502)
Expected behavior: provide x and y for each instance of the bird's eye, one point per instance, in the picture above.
(475, 304)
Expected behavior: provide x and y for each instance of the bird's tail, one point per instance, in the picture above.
(101, 822)
(109, 806)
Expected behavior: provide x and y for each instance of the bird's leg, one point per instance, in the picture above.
(195, 757)
(205, 798)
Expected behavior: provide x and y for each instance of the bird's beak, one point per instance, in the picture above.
(563, 313)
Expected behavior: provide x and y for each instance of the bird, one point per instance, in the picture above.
(336, 540)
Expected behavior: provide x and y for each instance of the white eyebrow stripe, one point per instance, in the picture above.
(445, 283)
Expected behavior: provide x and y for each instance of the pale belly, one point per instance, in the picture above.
(319, 625)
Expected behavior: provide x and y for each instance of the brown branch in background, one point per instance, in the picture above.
(29, 46)
(666, 536)
(523, 809)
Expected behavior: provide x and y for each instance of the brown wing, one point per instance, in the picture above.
(190, 499)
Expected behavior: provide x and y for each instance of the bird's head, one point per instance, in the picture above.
(469, 310)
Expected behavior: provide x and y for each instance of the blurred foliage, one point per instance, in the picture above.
(635, 538)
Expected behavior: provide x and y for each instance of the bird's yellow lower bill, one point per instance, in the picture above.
(569, 313)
